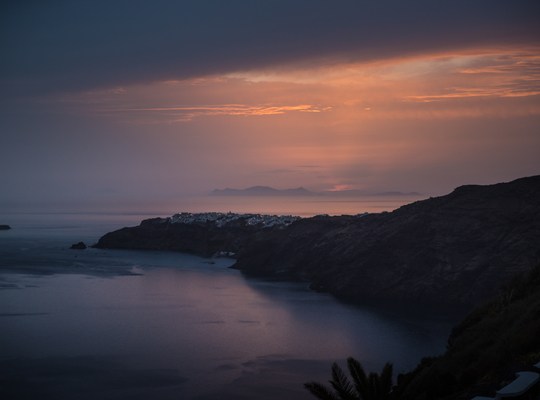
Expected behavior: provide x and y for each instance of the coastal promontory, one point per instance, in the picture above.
(456, 249)
(206, 234)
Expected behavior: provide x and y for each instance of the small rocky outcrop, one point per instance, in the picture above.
(4, 227)
(78, 246)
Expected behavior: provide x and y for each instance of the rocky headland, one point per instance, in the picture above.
(207, 234)
(457, 249)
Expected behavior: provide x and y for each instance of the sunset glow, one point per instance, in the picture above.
(477, 83)
(223, 200)
(423, 120)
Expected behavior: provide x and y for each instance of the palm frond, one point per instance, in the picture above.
(359, 376)
(365, 387)
(373, 386)
(320, 391)
(341, 384)
(385, 380)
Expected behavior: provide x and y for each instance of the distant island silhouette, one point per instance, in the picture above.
(262, 191)
(301, 191)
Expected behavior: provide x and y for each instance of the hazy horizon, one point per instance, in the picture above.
(105, 104)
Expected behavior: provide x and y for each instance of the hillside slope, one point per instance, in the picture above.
(455, 249)
(485, 350)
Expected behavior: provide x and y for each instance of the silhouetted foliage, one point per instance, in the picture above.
(363, 387)
(485, 349)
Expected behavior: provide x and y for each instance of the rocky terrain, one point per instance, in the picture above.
(207, 234)
(457, 249)
(78, 246)
(485, 350)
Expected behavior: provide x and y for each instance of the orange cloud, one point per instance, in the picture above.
(189, 112)
(471, 83)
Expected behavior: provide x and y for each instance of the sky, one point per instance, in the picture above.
(105, 102)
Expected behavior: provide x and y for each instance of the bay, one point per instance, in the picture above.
(113, 324)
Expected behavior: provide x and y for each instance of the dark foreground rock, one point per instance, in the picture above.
(485, 350)
(78, 246)
(4, 227)
(457, 249)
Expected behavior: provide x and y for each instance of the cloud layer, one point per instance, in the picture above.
(123, 101)
(66, 45)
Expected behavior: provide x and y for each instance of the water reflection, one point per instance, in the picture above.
(128, 324)
(209, 324)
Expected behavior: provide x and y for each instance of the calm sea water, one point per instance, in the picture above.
(303, 206)
(112, 324)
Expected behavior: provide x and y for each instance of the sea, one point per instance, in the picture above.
(118, 324)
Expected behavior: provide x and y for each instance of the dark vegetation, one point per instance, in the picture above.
(363, 386)
(484, 351)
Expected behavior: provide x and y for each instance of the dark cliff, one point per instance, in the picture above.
(205, 234)
(456, 249)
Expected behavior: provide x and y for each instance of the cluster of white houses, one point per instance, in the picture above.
(223, 219)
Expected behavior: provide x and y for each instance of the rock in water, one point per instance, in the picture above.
(4, 227)
(78, 246)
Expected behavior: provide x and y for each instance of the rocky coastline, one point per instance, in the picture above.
(458, 249)
(206, 234)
